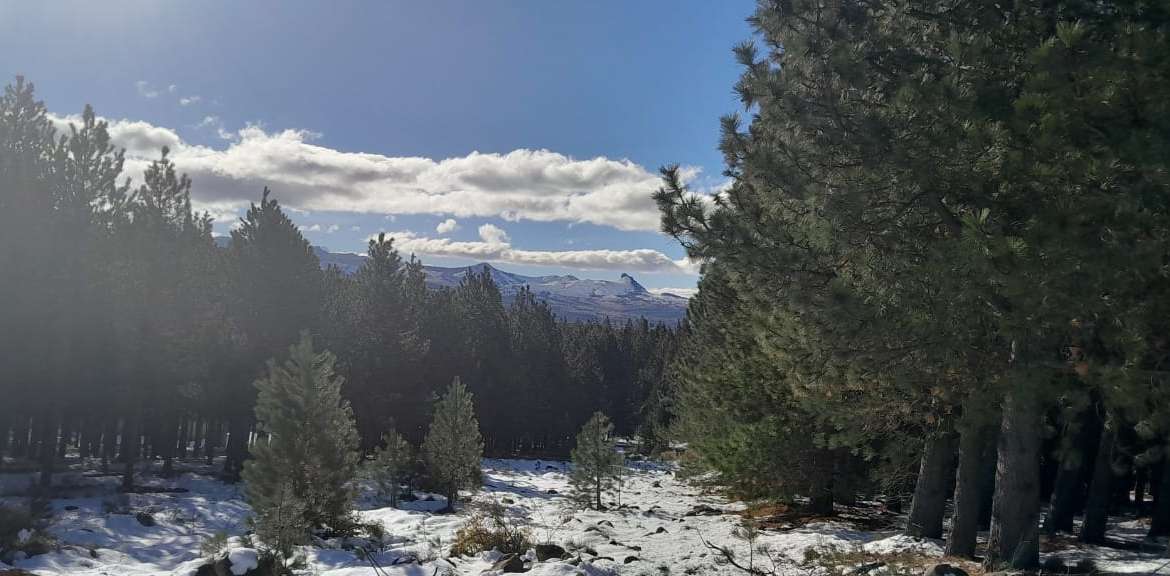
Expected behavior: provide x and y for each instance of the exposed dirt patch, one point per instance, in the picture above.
(779, 517)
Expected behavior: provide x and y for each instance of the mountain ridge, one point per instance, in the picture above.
(571, 298)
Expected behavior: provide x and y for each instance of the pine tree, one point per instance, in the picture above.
(392, 461)
(384, 351)
(916, 215)
(453, 447)
(275, 293)
(595, 461)
(280, 521)
(486, 351)
(310, 455)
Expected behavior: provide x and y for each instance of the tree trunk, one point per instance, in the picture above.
(47, 447)
(109, 442)
(64, 438)
(930, 491)
(237, 448)
(969, 490)
(165, 441)
(1014, 539)
(1120, 485)
(990, 462)
(1097, 507)
(820, 493)
(1140, 482)
(210, 440)
(20, 433)
(1160, 521)
(1068, 496)
(181, 447)
(129, 450)
(4, 426)
(84, 437)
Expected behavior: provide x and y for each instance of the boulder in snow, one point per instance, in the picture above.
(549, 551)
(237, 562)
(146, 519)
(943, 569)
(509, 564)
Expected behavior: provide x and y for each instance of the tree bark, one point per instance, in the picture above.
(1160, 521)
(931, 489)
(1097, 507)
(990, 462)
(969, 490)
(1014, 539)
(1068, 496)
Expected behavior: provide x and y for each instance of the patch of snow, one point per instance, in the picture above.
(243, 559)
(900, 543)
(650, 527)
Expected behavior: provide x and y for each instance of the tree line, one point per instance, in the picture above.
(940, 268)
(131, 333)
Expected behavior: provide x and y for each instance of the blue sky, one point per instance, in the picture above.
(537, 127)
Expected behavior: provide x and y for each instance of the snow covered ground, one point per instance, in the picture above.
(659, 529)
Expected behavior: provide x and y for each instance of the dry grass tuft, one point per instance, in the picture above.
(489, 528)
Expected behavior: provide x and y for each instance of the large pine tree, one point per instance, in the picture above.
(275, 293)
(918, 214)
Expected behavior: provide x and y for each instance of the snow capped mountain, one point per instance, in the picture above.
(571, 298)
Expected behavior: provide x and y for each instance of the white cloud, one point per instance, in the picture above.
(684, 292)
(332, 228)
(536, 185)
(189, 100)
(209, 122)
(145, 90)
(495, 247)
(313, 228)
(447, 226)
(355, 228)
(493, 234)
(214, 122)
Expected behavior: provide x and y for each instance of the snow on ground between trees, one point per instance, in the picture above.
(655, 531)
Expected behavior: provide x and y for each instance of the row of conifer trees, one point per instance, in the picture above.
(131, 333)
(304, 472)
(940, 268)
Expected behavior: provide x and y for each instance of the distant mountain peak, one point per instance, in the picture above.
(571, 298)
(633, 284)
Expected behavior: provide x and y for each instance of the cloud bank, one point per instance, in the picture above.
(537, 185)
(495, 246)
